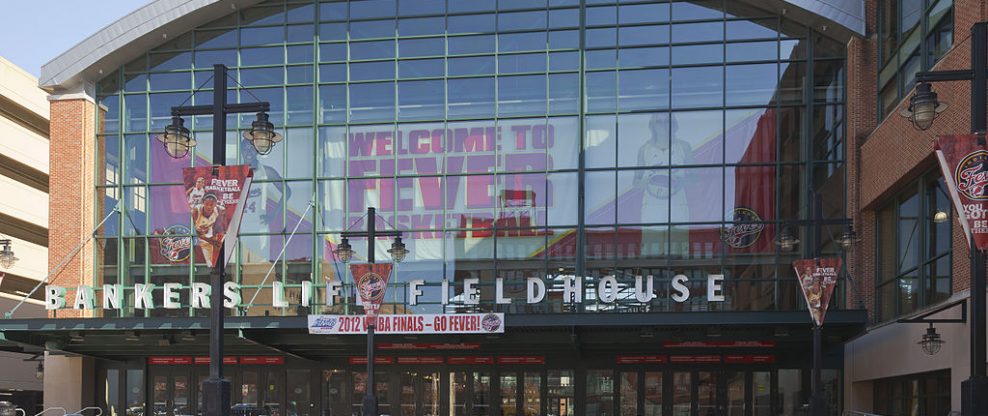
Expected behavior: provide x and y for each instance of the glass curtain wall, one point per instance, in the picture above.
(511, 139)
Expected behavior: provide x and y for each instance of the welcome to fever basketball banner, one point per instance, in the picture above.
(817, 279)
(372, 283)
(216, 196)
(964, 163)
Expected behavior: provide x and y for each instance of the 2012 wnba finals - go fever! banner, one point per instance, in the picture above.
(460, 323)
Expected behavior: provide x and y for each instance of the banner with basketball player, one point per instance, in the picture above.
(817, 279)
(964, 163)
(372, 283)
(216, 196)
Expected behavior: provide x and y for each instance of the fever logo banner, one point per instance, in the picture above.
(372, 283)
(964, 163)
(216, 196)
(817, 279)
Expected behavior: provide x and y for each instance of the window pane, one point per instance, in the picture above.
(643, 89)
(420, 99)
(521, 95)
(372, 102)
(697, 87)
(471, 97)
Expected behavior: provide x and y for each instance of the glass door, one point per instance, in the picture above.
(470, 393)
(628, 393)
(736, 393)
(561, 394)
(260, 392)
(419, 393)
(170, 391)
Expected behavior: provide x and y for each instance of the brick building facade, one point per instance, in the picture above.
(886, 156)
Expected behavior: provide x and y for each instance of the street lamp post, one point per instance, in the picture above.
(923, 109)
(787, 242)
(345, 253)
(177, 142)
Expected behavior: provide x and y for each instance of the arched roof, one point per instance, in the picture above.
(147, 27)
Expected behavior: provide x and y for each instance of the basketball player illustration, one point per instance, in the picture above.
(204, 219)
(196, 193)
(263, 205)
(664, 196)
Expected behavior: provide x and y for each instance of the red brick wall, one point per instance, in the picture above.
(885, 155)
(71, 193)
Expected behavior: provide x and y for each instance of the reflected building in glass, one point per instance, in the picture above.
(636, 160)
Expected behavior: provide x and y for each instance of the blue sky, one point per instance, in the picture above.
(35, 31)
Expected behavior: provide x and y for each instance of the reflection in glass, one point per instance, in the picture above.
(561, 401)
(509, 394)
(682, 393)
(600, 392)
(532, 394)
(628, 397)
(653, 393)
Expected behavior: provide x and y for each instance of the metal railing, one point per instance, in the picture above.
(858, 413)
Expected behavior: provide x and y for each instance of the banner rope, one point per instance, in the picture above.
(64, 262)
(282, 253)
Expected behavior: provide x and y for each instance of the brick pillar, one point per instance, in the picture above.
(71, 207)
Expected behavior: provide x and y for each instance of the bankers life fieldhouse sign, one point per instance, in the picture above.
(140, 296)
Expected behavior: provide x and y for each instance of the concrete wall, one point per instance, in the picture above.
(68, 382)
(891, 350)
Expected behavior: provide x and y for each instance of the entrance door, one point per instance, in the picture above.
(171, 391)
(419, 393)
(470, 393)
(260, 391)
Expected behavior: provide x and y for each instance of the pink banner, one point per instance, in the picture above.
(215, 196)
(964, 163)
(817, 279)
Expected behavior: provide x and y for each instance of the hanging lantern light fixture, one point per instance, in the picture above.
(262, 134)
(176, 138)
(931, 341)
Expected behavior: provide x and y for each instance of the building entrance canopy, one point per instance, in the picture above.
(121, 337)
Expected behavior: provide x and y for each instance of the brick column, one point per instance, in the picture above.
(71, 207)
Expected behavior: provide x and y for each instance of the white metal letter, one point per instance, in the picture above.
(715, 289)
(470, 295)
(142, 296)
(679, 286)
(112, 296)
(414, 292)
(84, 298)
(499, 292)
(306, 293)
(536, 290)
(200, 295)
(648, 293)
(332, 291)
(278, 295)
(445, 294)
(572, 289)
(171, 296)
(231, 295)
(607, 289)
(54, 297)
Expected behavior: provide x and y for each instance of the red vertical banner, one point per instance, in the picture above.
(964, 163)
(216, 196)
(372, 284)
(817, 279)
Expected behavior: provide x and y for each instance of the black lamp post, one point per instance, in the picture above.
(178, 142)
(923, 109)
(787, 242)
(345, 252)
